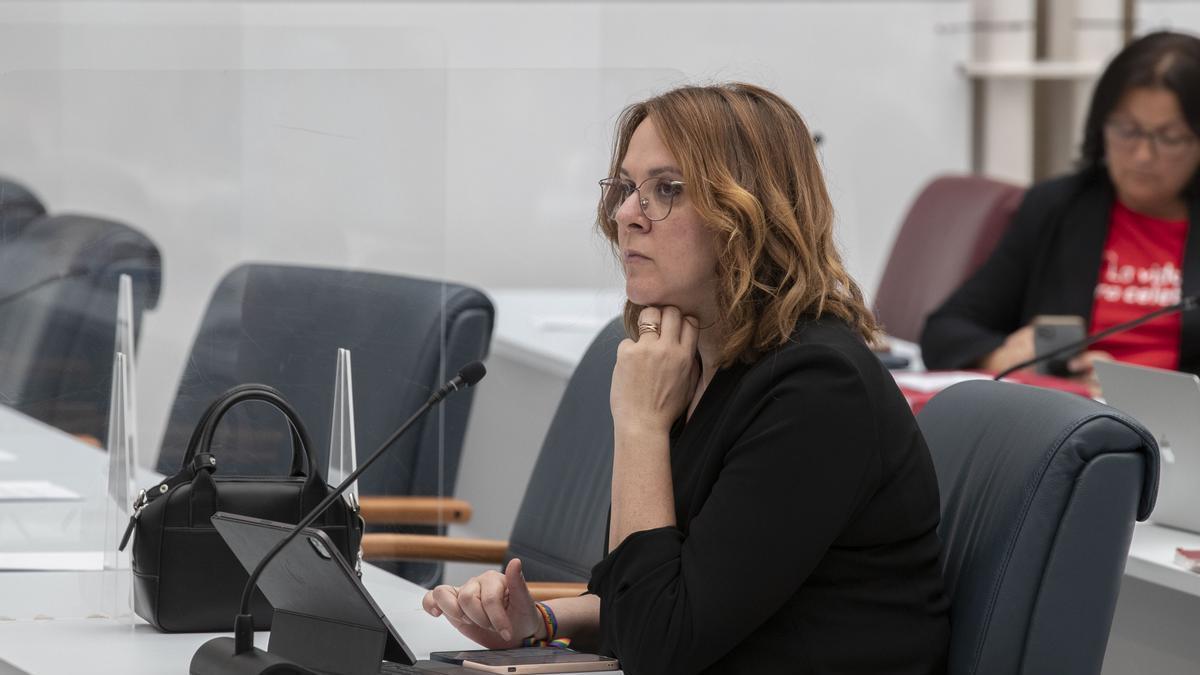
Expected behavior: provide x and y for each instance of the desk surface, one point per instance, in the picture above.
(1152, 557)
(58, 641)
(36, 451)
(51, 622)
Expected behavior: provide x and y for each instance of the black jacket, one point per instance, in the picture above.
(1047, 263)
(806, 511)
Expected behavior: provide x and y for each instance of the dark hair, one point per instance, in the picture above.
(1163, 59)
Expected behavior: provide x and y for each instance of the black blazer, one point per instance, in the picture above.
(1047, 263)
(805, 541)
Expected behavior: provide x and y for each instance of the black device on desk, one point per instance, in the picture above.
(528, 660)
(325, 620)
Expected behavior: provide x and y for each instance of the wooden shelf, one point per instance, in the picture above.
(1031, 70)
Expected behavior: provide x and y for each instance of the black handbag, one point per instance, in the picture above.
(185, 578)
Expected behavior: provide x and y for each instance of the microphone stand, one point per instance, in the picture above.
(1188, 303)
(215, 656)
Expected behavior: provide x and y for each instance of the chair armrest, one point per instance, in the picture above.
(549, 590)
(414, 510)
(387, 546)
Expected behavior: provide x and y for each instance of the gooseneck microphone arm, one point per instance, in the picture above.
(243, 628)
(1188, 303)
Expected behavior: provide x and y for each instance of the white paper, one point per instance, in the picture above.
(56, 560)
(927, 383)
(6, 456)
(35, 491)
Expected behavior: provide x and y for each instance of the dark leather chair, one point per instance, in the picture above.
(559, 531)
(58, 309)
(1040, 490)
(281, 325)
(18, 206)
(949, 231)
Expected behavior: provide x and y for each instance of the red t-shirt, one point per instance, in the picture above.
(1140, 273)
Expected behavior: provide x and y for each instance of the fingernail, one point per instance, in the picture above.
(506, 635)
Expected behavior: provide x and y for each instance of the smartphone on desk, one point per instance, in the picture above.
(528, 660)
(1051, 332)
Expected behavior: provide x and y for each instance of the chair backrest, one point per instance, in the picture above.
(18, 206)
(57, 338)
(1040, 490)
(560, 528)
(949, 231)
(281, 325)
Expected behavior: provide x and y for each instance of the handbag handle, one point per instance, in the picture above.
(204, 490)
(303, 462)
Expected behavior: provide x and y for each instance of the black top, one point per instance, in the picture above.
(806, 509)
(1047, 263)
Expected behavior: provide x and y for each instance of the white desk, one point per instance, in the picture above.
(1152, 556)
(60, 642)
(47, 623)
(40, 452)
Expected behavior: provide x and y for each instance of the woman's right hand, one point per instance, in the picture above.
(1017, 347)
(493, 609)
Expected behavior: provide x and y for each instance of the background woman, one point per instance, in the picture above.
(1108, 243)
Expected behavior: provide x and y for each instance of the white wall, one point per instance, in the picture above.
(460, 139)
(1183, 15)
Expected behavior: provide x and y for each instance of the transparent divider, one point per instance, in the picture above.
(116, 589)
(343, 453)
(262, 226)
(210, 228)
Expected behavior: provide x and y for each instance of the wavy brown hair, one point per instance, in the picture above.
(752, 174)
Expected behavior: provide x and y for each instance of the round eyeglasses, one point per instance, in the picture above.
(656, 202)
(1127, 136)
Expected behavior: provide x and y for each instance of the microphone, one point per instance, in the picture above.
(214, 656)
(74, 271)
(1188, 303)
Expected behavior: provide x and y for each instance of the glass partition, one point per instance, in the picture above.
(267, 219)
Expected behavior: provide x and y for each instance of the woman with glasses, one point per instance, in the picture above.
(774, 506)
(1109, 243)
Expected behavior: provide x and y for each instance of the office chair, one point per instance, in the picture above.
(949, 231)
(1040, 490)
(18, 206)
(281, 325)
(58, 310)
(559, 531)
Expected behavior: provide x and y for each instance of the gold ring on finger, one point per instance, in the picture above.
(648, 327)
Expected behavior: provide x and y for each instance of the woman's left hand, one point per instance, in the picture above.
(656, 375)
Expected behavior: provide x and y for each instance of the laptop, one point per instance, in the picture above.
(1167, 403)
(325, 619)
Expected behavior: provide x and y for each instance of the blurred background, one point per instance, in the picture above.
(211, 149)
